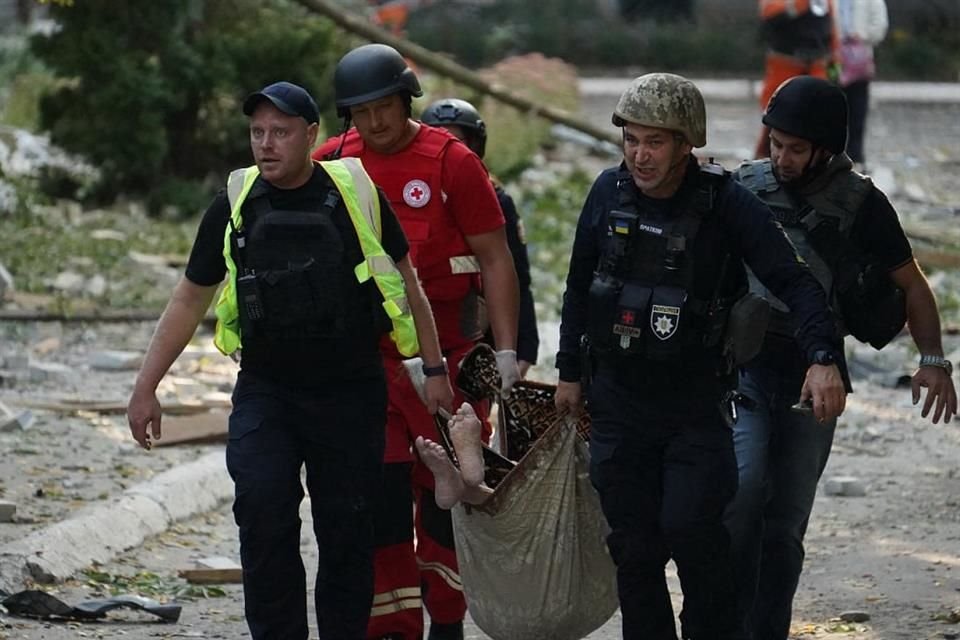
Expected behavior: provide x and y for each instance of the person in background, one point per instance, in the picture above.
(861, 24)
(801, 39)
(462, 119)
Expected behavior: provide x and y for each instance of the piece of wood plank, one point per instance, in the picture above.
(210, 426)
(215, 570)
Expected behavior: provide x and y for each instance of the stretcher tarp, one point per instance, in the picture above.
(533, 557)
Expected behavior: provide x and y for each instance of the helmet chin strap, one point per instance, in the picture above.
(810, 163)
(681, 163)
(335, 154)
(810, 170)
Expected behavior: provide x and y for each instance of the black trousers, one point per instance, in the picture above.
(664, 481)
(338, 433)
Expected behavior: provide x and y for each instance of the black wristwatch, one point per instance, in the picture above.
(823, 357)
(439, 370)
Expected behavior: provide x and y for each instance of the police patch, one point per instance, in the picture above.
(664, 320)
(416, 193)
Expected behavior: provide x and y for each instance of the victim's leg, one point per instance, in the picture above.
(465, 431)
(448, 488)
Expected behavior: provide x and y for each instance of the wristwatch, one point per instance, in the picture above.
(439, 370)
(937, 361)
(823, 357)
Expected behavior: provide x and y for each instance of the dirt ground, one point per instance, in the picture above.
(892, 554)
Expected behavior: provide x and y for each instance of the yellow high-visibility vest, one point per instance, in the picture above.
(363, 205)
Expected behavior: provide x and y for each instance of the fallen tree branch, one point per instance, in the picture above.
(450, 69)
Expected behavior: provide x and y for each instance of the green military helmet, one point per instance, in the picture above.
(665, 101)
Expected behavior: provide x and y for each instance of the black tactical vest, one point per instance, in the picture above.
(291, 271)
(837, 206)
(818, 220)
(642, 299)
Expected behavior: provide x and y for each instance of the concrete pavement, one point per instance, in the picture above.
(97, 535)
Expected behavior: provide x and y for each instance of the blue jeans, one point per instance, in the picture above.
(781, 455)
(338, 432)
(664, 477)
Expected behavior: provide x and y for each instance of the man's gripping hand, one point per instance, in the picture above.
(823, 388)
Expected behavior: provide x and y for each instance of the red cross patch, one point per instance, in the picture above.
(416, 193)
(628, 317)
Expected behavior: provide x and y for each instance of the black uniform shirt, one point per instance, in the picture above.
(528, 338)
(877, 231)
(747, 228)
(303, 365)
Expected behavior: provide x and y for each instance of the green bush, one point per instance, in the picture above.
(549, 205)
(150, 91)
(927, 56)
(514, 136)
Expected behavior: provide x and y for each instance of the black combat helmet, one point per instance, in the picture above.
(453, 111)
(812, 109)
(371, 72)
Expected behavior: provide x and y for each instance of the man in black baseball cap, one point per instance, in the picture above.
(287, 234)
(292, 99)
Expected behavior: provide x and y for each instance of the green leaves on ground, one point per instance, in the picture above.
(146, 583)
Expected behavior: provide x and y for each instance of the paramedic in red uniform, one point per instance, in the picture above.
(449, 212)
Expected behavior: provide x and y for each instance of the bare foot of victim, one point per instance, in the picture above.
(465, 434)
(448, 485)
(476, 495)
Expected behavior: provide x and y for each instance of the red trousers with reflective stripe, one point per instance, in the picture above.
(779, 69)
(400, 568)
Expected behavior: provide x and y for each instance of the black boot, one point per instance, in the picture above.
(449, 631)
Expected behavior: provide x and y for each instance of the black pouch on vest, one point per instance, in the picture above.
(872, 306)
(630, 317)
(304, 297)
(746, 326)
(874, 309)
(668, 332)
(602, 300)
